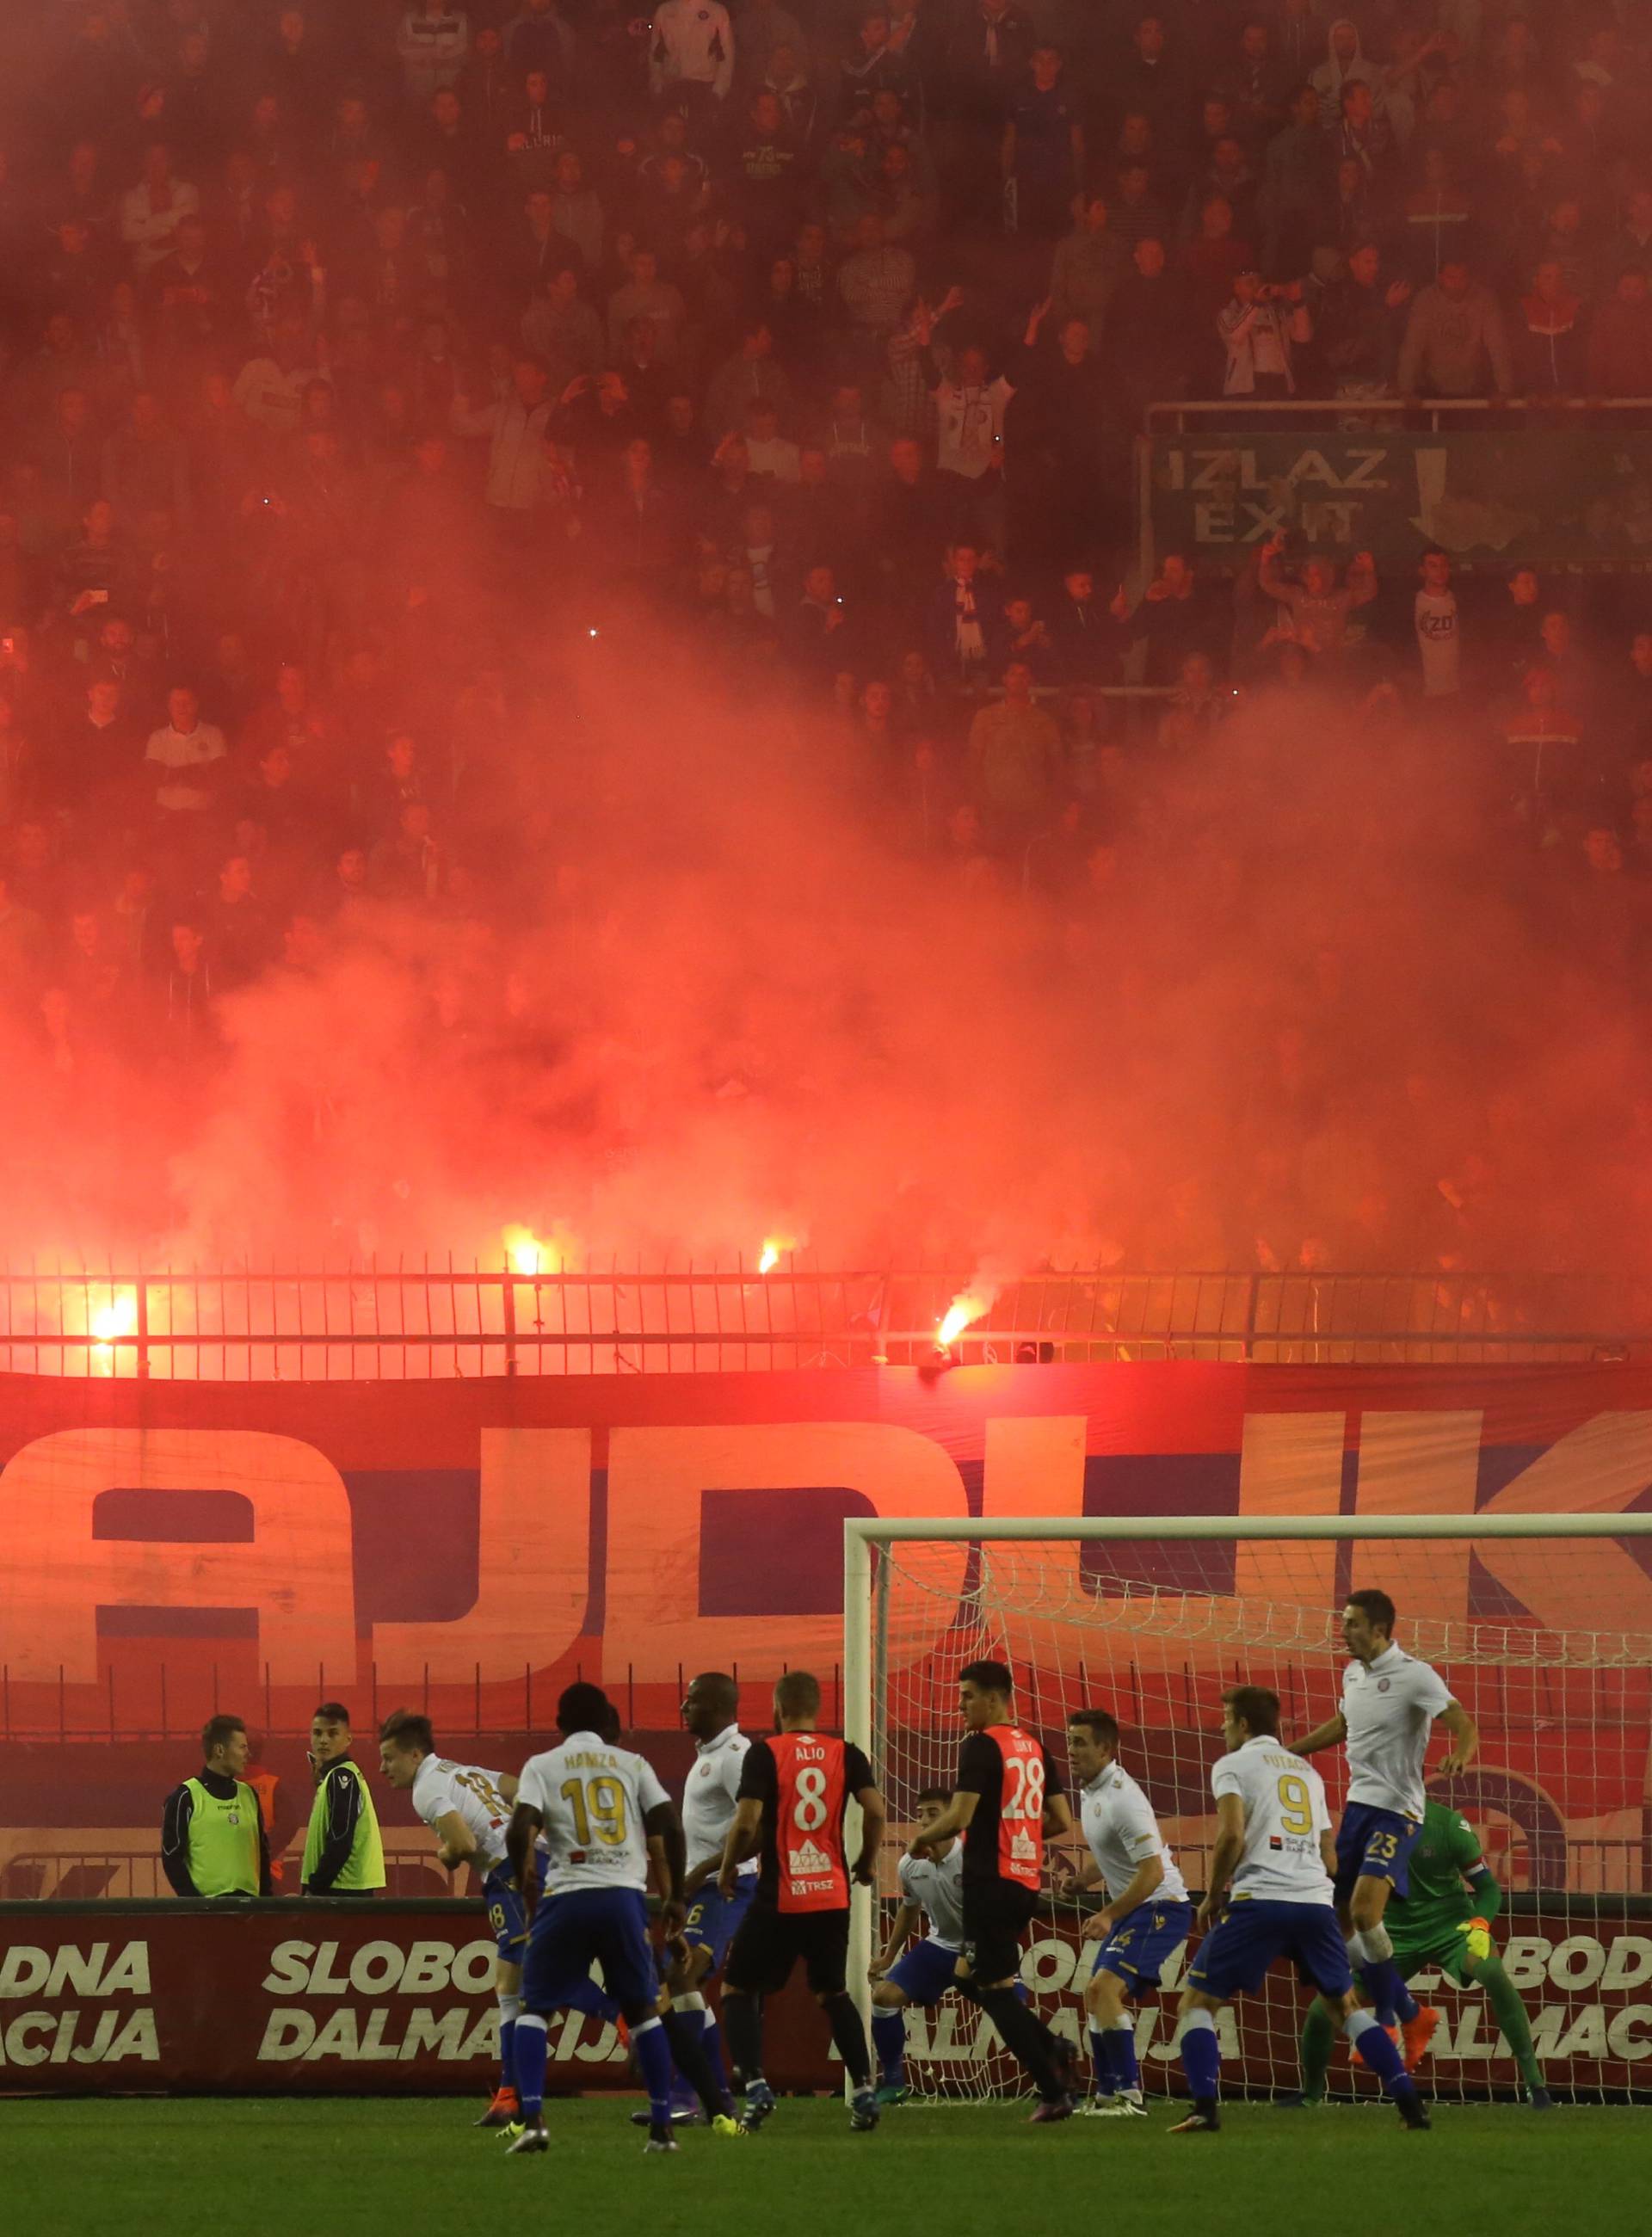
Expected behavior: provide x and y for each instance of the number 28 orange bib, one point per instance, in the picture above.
(1020, 1807)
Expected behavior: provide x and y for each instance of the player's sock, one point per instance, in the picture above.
(1318, 2035)
(848, 2033)
(510, 2012)
(687, 2039)
(1201, 2059)
(1373, 1952)
(531, 2047)
(1504, 2000)
(653, 2048)
(742, 2024)
(1372, 2043)
(695, 2014)
(1025, 2037)
(1121, 2045)
(1101, 2062)
(888, 2039)
(1406, 2005)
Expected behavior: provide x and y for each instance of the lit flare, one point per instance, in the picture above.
(118, 1318)
(964, 1309)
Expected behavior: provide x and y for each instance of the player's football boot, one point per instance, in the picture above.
(1417, 2034)
(726, 2125)
(864, 2112)
(1414, 2112)
(1540, 2100)
(1198, 2124)
(535, 2137)
(760, 2102)
(504, 2110)
(1095, 2107)
(892, 2093)
(1124, 2106)
(660, 2140)
(1049, 2109)
(1299, 2102)
(683, 2116)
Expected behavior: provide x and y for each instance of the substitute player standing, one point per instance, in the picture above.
(605, 1815)
(1443, 1920)
(343, 1853)
(469, 1809)
(1274, 1843)
(1006, 1800)
(794, 1791)
(931, 1886)
(1147, 1915)
(1389, 1702)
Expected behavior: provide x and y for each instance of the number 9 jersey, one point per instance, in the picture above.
(1284, 1817)
(592, 1800)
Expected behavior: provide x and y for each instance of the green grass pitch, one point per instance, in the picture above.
(313, 2168)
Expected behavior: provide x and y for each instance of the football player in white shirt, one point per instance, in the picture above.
(931, 1886)
(1147, 1915)
(606, 1818)
(711, 1711)
(1390, 1701)
(1273, 1844)
(467, 1808)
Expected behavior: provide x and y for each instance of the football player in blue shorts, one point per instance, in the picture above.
(469, 1809)
(1389, 1703)
(606, 1818)
(711, 1711)
(1273, 1846)
(931, 1887)
(1146, 1919)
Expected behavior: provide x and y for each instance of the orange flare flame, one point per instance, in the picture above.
(957, 1317)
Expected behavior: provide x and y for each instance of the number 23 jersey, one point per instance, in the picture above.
(592, 1800)
(804, 1781)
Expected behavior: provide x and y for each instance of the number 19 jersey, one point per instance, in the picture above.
(1284, 1816)
(592, 1800)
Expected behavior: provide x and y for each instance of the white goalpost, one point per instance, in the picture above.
(1541, 1624)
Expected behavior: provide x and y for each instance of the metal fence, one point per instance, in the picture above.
(437, 1319)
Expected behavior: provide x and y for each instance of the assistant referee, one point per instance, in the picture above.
(213, 1841)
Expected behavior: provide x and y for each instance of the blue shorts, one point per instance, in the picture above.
(713, 1917)
(1377, 1845)
(589, 1996)
(583, 1928)
(1250, 1936)
(507, 1917)
(925, 1972)
(1144, 1942)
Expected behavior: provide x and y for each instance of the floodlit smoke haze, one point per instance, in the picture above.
(1284, 1007)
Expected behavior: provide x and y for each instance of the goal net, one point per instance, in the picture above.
(1543, 1634)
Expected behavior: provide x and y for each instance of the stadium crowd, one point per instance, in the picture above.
(364, 359)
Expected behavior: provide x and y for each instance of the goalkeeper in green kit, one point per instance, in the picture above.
(1445, 1921)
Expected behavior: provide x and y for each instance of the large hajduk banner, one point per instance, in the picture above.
(166, 1548)
(115, 1997)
